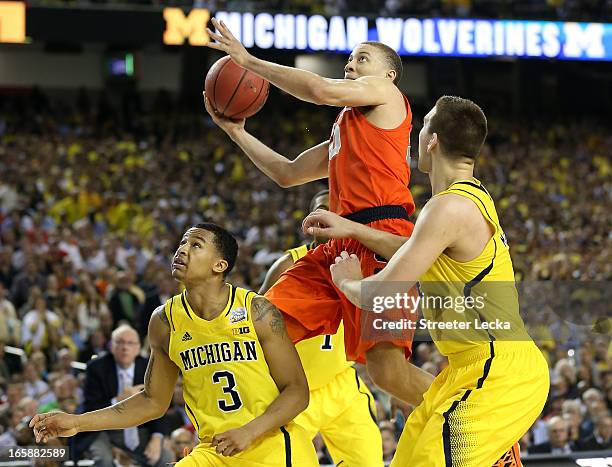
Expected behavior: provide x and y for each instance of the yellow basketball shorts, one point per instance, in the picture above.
(344, 412)
(282, 448)
(476, 408)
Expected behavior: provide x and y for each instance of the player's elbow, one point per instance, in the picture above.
(323, 92)
(326, 94)
(302, 392)
(302, 397)
(156, 407)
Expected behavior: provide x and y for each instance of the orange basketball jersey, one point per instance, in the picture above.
(368, 166)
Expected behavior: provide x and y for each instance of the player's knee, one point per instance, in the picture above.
(381, 363)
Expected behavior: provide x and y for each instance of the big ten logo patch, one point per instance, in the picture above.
(241, 330)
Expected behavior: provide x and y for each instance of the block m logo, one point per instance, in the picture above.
(180, 27)
(12, 22)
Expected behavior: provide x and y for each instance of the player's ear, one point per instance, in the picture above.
(433, 142)
(220, 265)
(391, 74)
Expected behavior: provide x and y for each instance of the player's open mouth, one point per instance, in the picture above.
(177, 263)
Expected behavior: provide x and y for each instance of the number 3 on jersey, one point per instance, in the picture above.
(335, 142)
(228, 388)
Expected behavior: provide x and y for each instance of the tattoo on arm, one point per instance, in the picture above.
(261, 308)
(148, 376)
(119, 408)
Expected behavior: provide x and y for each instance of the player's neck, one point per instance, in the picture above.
(208, 299)
(444, 173)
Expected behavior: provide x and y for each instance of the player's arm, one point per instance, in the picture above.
(287, 372)
(303, 84)
(148, 404)
(328, 224)
(441, 223)
(310, 165)
(280, 265)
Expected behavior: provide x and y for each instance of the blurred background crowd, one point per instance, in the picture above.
(94, 198)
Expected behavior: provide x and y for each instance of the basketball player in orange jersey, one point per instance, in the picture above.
(365, 160)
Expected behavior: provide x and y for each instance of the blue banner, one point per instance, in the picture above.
(432, 36)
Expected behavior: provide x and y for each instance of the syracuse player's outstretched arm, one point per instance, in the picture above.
(148, 404)
(310, 165)
(328, 224)
(303, 84)
(287, 372)
(280, 265)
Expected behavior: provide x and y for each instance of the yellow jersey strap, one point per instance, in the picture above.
(300, 251)
(475, 191)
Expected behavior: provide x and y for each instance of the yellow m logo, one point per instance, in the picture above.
(12, 22)
(180, 27)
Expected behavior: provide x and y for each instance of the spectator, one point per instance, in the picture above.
(182, 441)
(10, 327)
(387, 430)
(110, 379)
(601, 437)
(35, 387)
(126, 300)
(41, 328)
(558, 434)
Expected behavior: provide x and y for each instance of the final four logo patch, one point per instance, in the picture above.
(237, 315)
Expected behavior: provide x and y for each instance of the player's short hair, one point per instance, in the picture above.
(317, 195)
(225, 243)
(391, 57)
(461, 126)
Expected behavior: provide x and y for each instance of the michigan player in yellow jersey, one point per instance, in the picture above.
(497, 380)
(338, 397)
(243, 382)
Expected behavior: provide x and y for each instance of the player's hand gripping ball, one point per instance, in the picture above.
(234, 92)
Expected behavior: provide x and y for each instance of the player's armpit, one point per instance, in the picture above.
(361, 92)
(285, 368)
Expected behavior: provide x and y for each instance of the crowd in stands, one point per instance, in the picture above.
(94, 198)
(593, 10)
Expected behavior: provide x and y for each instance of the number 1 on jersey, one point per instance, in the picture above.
(327, 343)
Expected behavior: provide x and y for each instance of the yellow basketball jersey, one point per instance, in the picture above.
(476, 300)
(226, 379)
(323, 357)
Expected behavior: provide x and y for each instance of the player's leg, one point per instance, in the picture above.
(485, 407)
(201, 456)
(361, 445)
(306, 297)
(387, 366)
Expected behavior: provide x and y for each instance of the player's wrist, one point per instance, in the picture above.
(79, 422)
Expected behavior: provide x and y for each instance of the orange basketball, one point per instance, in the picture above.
(233, 91)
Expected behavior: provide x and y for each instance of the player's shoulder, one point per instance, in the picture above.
(159, 324)
(449, 207)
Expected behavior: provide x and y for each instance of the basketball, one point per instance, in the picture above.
(233, 91)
